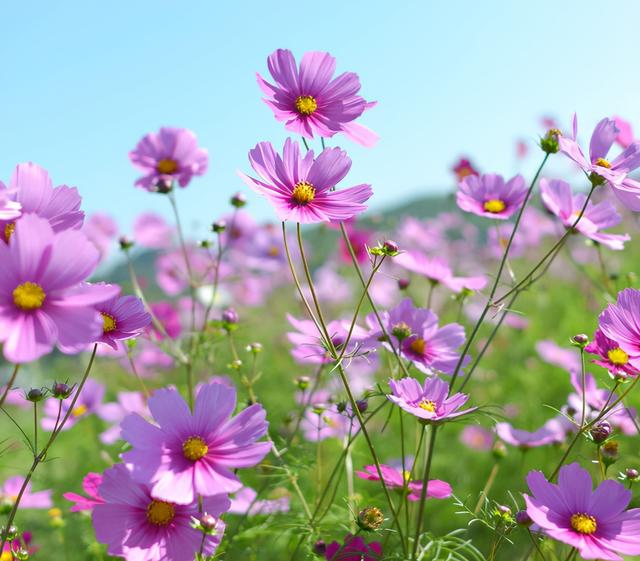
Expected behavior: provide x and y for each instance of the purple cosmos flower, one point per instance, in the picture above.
(613, 172)
(437, 270)
(90, 484)
(620, 322)
(166, 156)
(30, 186)
(123, 317)
(193, 454)
(114, 413)
(430, 402)
(594, 522)
(11, 488)
(139, 526)
(152, 231)
(88, 403)
(244, 502)
(611, 356)
(42, 302)
(557, 198)
(395, 479)
(353, 549)
(625, 132)
(9, 210)
(489, 196)
(524, 439)
(310, 101)
(476, 437)
(301, 188)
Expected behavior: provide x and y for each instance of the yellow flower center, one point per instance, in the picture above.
(28, 296)
(274, 251)
(603, 163)
(79, 411)
(583, 523)
(194, 448)
(418, 346)
(160, 513)
(306, 104)
(618, 356)
(167, 166)
(494, 206)
(9, 229)
(427, 405)
(54, 512)
(406, 475)
(303, 193)
(108, 323)
(6, 556)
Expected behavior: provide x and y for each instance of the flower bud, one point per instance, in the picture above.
(523, 518)
(401, 331)
(318, 408)
(549, 142)
(125, 243)
(610, 452)
(632, 474)
(362, 405)
(22, 554)
(390, 247)
(303, 382)
(60, 390)
(370, 519)
(10, 533)
(34, 395)
(319, 548)
(341, 406)
(219, 226)
(164, 186)
(403, 284)
(208, 522)
(600, 432)
(254, 348)
(230, 316)
(235, 364)
(499, 450)
(581, 340)
(205, 244)
(238, 200)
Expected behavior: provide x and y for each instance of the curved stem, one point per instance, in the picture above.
(10, 383)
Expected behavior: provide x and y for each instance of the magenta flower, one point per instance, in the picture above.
(395, 479)
(620, 322)
(300, 188)
(611, 356)
(599, 167)
(137, 525)
(477, 437)
(11, 488)
(625, 132)
(90, 484)
(464, 168)
(166, 156)
(194, 454)
(353, 549)
(437, 270)
(88, 403)
(594, 522)
(123, 317)
(430, 401)
(489, 196)
(557, 198)
(524, 439)
(42, 302)
(244, 502)
(31, 187)
(310, 101)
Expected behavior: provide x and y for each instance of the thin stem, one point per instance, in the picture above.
(423, 493)
(10, 383)
(535, 544)
(35, 427)
(487, 487)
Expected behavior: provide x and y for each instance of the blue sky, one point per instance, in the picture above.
(83, 81)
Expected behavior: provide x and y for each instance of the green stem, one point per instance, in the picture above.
(423, 493)
(7, 388)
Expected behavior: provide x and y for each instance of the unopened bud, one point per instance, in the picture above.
(401, 331)
(254, 348)
(549, 142)
(208, 521)
(523, 518)
(631, 474)
(370, 519)
(35, 394)
(238, 200)
(10, 533)
(390, 247)
(125, 243)
(219, 226)
(362, 405)
(600, 432)
(403, 284)
(303, 382)
(610, 452)
(580, 340)
(60, 390)
(320, 548)
(164, 185)
(230, 316)
(499, 450)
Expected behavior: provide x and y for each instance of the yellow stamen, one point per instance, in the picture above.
(406, 475)
(54, 512)
(427, 405)
(418, 346)
(108, 323)
(167, 166)
(9, 229)
(274, 251)
(303, 193)
(79, 411)
(194, 448)
(28, 296)
(494, 206)
(603, 163)
(160, 513)
(584, 523)
(618, 356)
(306, 105)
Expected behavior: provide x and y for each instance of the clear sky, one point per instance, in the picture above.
(84, 80)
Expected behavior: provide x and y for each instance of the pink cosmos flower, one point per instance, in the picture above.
(625, 132)
(361, 239)
(171, 271)
(90, 484)
(430, 401)
(326, 424)
(9, 210)
(464, 168)
(31, 187)
(394, 479)
(620, 322)
(167, 315)
(353, 549)
(191, 454)
(114, 413)
(244, 502)
(169, 155)
(101, 230)
(152, 231)
(11, 488)
(88, 403)
(611, 356)
(477, 437)
(557, 198)
(613, 172)
(524, 439)
(594, 522)
(489, 196)
(437, 270)
(123, 317)
(310, 101)
(138, 525)
(42, 300)
(300, 188)
(553, 353)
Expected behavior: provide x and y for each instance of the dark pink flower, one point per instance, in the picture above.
(188, 454)
(168, 155)
(620, 322)
(310, 101)
(611, 356)
(625, 132)
(594, 522)
(354, 549)
(395, 479)
(464, 168)
(90, 484)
